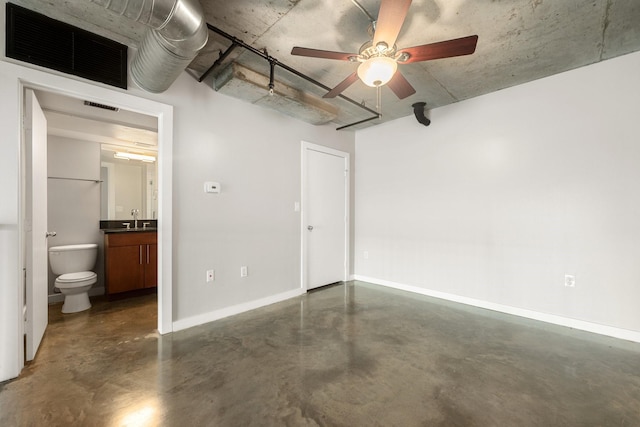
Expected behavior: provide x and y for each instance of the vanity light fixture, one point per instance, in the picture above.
(133, 156)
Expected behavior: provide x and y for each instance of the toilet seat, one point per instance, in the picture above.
(73, 280)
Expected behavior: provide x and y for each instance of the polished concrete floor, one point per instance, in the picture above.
(348, 355)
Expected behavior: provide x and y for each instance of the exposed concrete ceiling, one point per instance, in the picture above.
(519, 41)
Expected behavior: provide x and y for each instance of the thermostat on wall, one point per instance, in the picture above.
(211, 187)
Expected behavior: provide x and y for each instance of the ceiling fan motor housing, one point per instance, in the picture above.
(368, 50)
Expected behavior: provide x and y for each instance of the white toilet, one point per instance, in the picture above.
(72, 264)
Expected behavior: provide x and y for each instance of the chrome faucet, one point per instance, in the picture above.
(135, 213)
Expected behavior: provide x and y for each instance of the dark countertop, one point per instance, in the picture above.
(119, 226)
(129, 230)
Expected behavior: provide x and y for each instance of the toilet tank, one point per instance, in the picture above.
(73, 258)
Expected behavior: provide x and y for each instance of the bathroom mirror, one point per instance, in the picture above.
(129, 181)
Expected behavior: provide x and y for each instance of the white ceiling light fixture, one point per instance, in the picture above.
(377, 71)
(134, 156)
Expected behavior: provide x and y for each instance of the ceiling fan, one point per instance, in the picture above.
(379, 57)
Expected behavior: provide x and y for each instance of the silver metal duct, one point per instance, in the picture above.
(177, 32)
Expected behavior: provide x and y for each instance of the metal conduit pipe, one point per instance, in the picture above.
(177, 32)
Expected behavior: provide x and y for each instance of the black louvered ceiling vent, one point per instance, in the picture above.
(103, 106)
(40, 40)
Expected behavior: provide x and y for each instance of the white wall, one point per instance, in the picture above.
(10, 277)
(505, 193)
(255, 155)
(74, 203)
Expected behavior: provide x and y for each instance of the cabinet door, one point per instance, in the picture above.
(151, 266)
(124, 268)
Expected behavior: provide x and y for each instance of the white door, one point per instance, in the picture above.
(35, 223)
(325, 215)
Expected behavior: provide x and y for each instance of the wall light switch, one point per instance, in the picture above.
(243, 271)
(211, 274)
(296, 206)
(211, 187)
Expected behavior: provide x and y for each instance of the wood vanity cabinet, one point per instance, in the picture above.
(131, 261)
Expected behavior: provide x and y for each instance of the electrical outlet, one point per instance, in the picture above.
(366, 254)
(570, 280)
(243, 271)
(211, 187)
(211, 275)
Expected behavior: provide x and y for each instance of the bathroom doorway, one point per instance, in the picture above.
(70, 127)
(102, 166)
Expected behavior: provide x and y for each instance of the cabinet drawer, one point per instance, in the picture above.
(131, 238)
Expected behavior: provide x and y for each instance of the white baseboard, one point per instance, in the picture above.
(58, 297)
(596, 328)
(233, 310)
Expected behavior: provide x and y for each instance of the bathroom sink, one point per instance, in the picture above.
(128, 230)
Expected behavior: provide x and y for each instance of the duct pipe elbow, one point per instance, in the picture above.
(177, 33)
(418, 111)
(161, 58)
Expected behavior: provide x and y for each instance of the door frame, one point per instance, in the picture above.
(308, 146)
(164, 114)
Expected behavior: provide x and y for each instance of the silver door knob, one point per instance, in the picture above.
(50, 234)
(310, 227)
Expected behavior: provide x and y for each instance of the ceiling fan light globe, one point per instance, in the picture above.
(377, 71)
